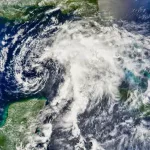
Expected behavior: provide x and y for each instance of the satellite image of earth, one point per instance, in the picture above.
(74, 74)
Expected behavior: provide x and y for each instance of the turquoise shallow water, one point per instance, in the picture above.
(10, 90)
(73, 65)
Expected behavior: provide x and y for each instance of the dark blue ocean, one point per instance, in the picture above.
(10, 90)
(12, 47)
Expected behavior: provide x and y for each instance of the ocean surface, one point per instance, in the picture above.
(93, 71)
(19, 79)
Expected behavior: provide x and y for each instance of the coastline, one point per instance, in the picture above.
(17, 120)
(6, 109)
(23, 11)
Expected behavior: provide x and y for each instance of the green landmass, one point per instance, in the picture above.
(20, 116)
(145, 110)
(24, 9)
(124, 94)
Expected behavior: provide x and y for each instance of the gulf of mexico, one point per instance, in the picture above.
(13, 34)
